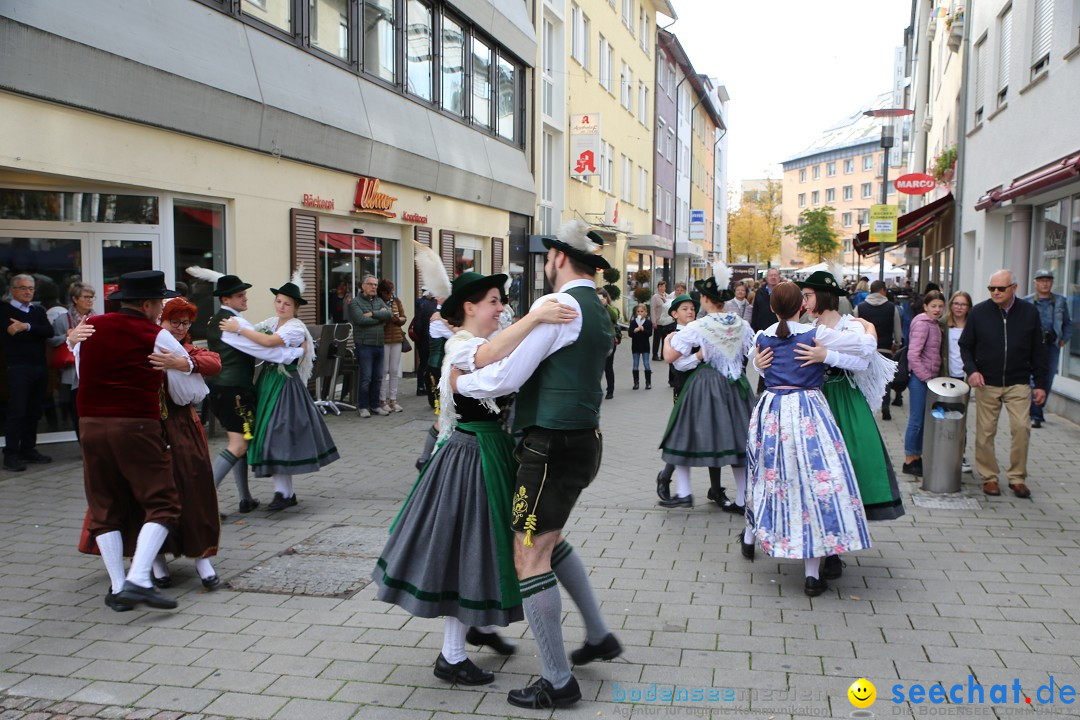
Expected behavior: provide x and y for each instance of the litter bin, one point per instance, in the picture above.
(944, 430)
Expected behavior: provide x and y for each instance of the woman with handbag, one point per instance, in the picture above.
(63, 360)
(393, 346)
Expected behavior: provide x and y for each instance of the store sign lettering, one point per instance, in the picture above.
(370, 200)
(314, 201)
(414, 217)
(915, 183)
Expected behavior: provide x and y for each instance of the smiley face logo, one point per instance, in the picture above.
(862, 693)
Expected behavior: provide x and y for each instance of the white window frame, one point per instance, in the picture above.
(830, 195)
(643, 103)
(815, 198)
(643, 188)
(802, 199)
(849, 166)
(1004, 55)
(868, 190)
(980, 81)
(1042, 34)
(626, 189)
(846, 219)
(849, 192)
(830, 169)
(802, 175)
(815, 172)
(868, 162)
(605, 64)
(628, 15)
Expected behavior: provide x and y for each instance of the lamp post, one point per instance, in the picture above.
(888, 139)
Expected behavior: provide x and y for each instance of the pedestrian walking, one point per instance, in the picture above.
(1003, 350)
(640, 330)
(1056, 329)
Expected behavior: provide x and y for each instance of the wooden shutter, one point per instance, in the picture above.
(446, 250)
(1042, 33)
(1004, 54)
(497, 264)
(422, 235)
(304, 248)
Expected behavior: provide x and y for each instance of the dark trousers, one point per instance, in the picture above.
(422, 354)
(658, 334)
(609, 370)
(1053, 358)
(369, 360)
(26, 393)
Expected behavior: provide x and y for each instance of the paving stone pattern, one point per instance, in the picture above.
(992, 590)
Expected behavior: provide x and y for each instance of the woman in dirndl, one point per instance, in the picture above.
(804, 496)
(290, 436)
(707, 427)
(450, 552)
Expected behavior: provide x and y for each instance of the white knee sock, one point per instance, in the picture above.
(111, 547)
(740, 484)
(204, 568)
(453, 644)
(151, 538)
(283, 485)
(682, 480)
(488, 629)
(748, 536)
(812, 567)
(161, 568)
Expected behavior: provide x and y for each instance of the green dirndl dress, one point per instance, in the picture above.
(873, 468)
(290, 436)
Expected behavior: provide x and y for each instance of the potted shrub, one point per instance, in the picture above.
(642, 294)
(945, 165)
(643, 277)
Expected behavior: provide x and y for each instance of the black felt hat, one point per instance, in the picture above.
(579, 242)
(714, 292)
(143, 285)
(229, 285)
(468, 284)
(822, 280)
(290, 289)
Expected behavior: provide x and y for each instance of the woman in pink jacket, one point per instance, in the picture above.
(924, 359)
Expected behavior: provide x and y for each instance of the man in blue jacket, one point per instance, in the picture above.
(1002, 350)
(1056, 329)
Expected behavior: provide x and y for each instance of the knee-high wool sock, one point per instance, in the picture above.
(111, 547)
(151, 538)
(204, 568)
(571, 574)
(543, 609)
(161, 566)
(240, 477)
(223, 463)
(453, 644)
(682, 480)
(283, 484)
(812, 567)
(740, 484)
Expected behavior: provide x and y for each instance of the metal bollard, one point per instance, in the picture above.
(944, 430)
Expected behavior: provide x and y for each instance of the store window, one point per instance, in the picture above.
(78, 207)
(1071, 290)
(329, 23)
(272, 12)
(453, 67)
(346, 259)
(380, 48)
(481, 83)
(419, 49)
(467, 260)
(198, 239)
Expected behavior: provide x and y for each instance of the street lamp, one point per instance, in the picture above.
(888, 139)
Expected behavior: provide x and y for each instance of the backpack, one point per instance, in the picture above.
(903, 372)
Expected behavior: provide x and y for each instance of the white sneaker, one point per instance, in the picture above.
(380, 411)
(394, 407)
(965, 468)
(364, 413)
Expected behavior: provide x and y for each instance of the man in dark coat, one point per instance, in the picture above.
(25, 328)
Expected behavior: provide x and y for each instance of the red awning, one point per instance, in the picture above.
(205, 216)
(1062, 171)
(910, 223)
(347, 243)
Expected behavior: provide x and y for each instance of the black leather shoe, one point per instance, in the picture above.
(112, 602)
(720, 498)
(676, 502)
(747, 549)
(815, 586)
(495, 641)
(610, 394)
(247, 506)
(211, 583)
(462, 673)
(1036, 424)
(914, 467)
(731, 507)
(607, 649)
(420, 464)
(33, 456)
(14, 463)
(832, 568)
(541, 695)
(280, 503)
(161, 582)
(885, 414)
(898, 401)
(132, 595)
(663, 487)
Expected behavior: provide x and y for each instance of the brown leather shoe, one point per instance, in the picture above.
(990, 487)
(1020, 490)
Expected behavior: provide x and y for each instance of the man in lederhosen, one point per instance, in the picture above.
(556, 371)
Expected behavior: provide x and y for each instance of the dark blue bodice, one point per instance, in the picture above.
(785, 368)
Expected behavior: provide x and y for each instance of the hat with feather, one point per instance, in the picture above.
(294, 288)
(827, 281)
(717, 286)
(432, 271)
(579, 242)
(224, 285)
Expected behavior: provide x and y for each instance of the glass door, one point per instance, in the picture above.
(112, 255)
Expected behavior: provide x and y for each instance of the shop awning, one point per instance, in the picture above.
(344, 242)
(916, 221)
(658, 245)
(1063, 171)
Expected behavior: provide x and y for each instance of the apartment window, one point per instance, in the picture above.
(980, 80)
(802, 199)
(627, 90)
(867, 190)
(661, 73)
(481, 82)
(453, 67)
(802, 175)
(643, 29)
(658, 202)
(816, 173)
(507, 108)
(643, 189)
(1004, 55)
(605, 64)
(329, 23)
(830, 169)
(547, 102)
(890, 189)
(607, 167)
(671, 142)
(671, 80)
(1042, 33)
(380, 48)
(272, 12)
(849, 192)
(643, 103)
(846, 219)
(669, 207)
(628, 15)
(579, 35)
(624, 82)
(815, 197)
(419, 50)
(830, 195)
(868, 162)
(849, 166)
(627, 180)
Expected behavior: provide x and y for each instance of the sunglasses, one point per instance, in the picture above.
(998, 288)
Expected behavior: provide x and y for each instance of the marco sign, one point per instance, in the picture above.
(915, 183)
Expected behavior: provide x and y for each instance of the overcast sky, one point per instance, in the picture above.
(792, 67)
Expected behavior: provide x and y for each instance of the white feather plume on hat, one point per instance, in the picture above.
(201, 273)
(837, 271)
(432, 271)
(722, 274)
(297, 278)
(575, 233)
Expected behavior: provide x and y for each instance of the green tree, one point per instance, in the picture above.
(815, 232)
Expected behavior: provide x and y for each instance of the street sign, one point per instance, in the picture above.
(697, 224)
(883, 220)
(915, 183)
(584, 145)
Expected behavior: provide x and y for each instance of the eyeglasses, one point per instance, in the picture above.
(180, 323)
(999, 288)
(808, 295)
(22, 287)
(959, 304)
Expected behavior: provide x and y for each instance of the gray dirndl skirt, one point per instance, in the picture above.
(710, 422)
(441, 558)
(296, 438)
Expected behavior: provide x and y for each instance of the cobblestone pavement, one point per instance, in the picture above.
(992, 592)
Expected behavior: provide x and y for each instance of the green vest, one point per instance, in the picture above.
(564, 393)
(237, 368)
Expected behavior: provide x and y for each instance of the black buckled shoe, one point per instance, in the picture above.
(281, 502)
(746, 548)
(247, 506)
(663, 487)
(133, 595)
(116, 605)
(211, 583)
(462, 673)
(495, 641)
(732, 507)
(815, 586)
(687, 501)
(607, 649)
(542, 696)
(832, 568)
(161, 582)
